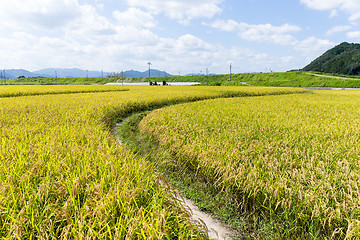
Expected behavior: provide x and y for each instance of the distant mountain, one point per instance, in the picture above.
(69, 73)
(79, 73)
(342, 59)
(15, 73)
(153, 73)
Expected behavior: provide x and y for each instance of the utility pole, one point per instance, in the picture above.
(56, 77)
(102, 73)
(149, 63)
(207, 76)
(122, 77)
(4, 77)
(230, 72)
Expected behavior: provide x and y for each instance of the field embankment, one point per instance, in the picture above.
(63, 175)
(276, 79)
(290, 160)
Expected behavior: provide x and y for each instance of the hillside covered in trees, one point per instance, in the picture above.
(342, 59)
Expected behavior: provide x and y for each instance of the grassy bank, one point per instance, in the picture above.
(279, 79)
(276, 79)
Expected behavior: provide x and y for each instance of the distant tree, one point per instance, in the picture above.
(342, 59)
(353, 68)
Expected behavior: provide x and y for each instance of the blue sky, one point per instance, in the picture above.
(185, 36)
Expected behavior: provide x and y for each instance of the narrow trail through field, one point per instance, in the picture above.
(321, 75)
(216, 229)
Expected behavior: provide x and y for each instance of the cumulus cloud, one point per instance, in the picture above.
(313, 47)
(187, 53)
(181, 10)
(334, 13)
(135, 17)
(47, 14)
(259, 33)
(354, 35)
(90, 24)
(194, 54)
(337, 29)
(309, 48)
(352, 7)
(66, 33)
(191, 43)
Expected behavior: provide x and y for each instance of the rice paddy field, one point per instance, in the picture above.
(291, 159)
(63, 175)
(31, 90)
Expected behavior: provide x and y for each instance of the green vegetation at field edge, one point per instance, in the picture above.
(276, 79)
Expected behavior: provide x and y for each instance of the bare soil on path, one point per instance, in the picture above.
(321, 75)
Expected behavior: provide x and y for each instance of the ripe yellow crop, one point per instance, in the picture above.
(295, 158)
(28, 90)
(63, 176)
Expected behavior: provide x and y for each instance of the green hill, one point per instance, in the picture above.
(342, 59)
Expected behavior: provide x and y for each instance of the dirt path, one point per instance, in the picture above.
(216, 229)
(320, 75)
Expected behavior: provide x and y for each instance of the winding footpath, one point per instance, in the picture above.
(320, 75)
(216, 229)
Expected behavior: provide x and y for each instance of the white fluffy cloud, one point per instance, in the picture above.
(67, 33)
(135, 17)
(47, 14)
(313, 47)
(338, 29)
(64, 33)
(181, 10)
(192, 43)
(352, 7)
(308, 48)
(195, 55)
(354, 35)
(259, 33)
